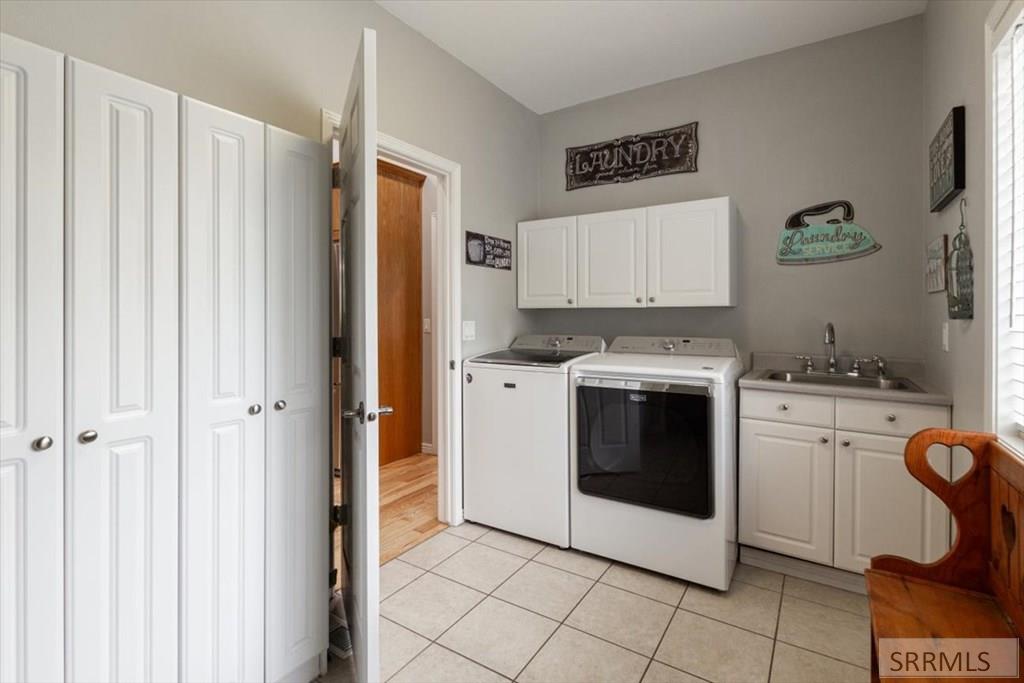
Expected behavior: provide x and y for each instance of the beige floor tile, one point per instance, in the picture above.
(430, 604)
(498, 635)
(510, 543)
(715, 651)
(743, 605)
(762, 578)
(395, 575)
(826, 630)
(433, 551)
(467, 530)
(398, 646)
(827, 595)
(438, 665)
(543, 589)
(662, 673)
(339, 671)
(573, 561)
(480, 567)
(624, 618)
(793, 665)
(655, 586)
(574, 657)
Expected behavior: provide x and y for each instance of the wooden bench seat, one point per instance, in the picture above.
(976, 589)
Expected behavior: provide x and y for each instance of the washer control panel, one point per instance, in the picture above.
(675, 346)
(560, 342)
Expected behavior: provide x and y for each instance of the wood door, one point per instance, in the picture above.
(547, 263)
(399, 291)
(31, 362)
(121, 476)
(612, 256)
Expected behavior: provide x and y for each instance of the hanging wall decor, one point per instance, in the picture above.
(960, 273)
(803, 243)
(935, 271)
(946, 161)
(633, 157)
(487, 251)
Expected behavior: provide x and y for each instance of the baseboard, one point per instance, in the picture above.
(802, 569)
(428, 448)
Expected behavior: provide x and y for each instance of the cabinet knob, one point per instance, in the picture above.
(846, 442)
(890, 417)
(88, 436)
(639, 299)
(255, 409)
(570, 300)
(823, 439)
(650, 299)
(42, 443)
(280, 404)
(469, 378)
(783, 406)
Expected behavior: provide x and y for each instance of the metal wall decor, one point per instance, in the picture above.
(960, 290)
(946, 161)
(937, 254)
(633, 157)
(487, 251)
(803, 243)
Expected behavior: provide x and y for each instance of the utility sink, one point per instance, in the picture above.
(888, 383)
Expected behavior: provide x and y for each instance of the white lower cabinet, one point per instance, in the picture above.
(880, 507)
(785, 489)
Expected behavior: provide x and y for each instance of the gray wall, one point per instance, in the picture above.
(954, 74)
(280, 62)
(840, 119)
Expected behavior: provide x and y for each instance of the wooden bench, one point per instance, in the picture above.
(976, 589)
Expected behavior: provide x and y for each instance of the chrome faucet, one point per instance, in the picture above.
(830, 342)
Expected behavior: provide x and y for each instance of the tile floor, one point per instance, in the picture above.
(477, 604)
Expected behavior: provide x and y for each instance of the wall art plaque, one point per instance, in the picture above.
(633, 157)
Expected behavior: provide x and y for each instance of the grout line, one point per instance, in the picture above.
(775, 634)
(822, 654)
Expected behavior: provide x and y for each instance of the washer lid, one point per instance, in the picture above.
(549, 358)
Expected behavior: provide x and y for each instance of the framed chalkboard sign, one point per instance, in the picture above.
(632, 157)
(487, 251)
(946, 161)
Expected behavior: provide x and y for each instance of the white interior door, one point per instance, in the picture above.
(121, 477)
(222, 355)
(31, 362)
(358, 145)
(298, 398)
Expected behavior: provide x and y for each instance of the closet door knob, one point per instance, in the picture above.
(255, 409)
(280, 404)
(42, 443)
(88, 436)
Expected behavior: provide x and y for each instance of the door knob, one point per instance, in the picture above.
(42, 443)
(280, 404)
(88, 436)
(385, 410)
(255, 409)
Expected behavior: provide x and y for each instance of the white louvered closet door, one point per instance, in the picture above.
(122, 378)
(31, 362)
(223, 455)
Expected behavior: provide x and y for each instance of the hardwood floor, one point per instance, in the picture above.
(408, 504)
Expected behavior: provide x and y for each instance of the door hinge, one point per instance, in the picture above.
(451, 365)
(339, 515)
(338, 347)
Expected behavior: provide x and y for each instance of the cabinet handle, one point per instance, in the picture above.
(42, 443)
(846, 442)
(890, 417)
(88, 436)
(280, 404)
(783, 406)
(255, 409)
(823, 439)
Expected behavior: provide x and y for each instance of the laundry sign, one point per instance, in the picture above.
(835, 239)
(633, 157)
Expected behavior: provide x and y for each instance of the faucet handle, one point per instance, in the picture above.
(881, 364)
(857, 363)
(808, 363)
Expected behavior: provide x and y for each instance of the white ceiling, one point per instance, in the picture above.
(551, 54)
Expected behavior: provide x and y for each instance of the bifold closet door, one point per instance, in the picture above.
(31, 362)
(298, 373)
(222, 374)
(121, 465)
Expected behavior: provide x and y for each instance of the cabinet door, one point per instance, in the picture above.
(122, 372)
(786, 489)
(880, 507)
(691, 254)
(298, 396)
(611, 259)
(547, 263)
(222, 496)
(31, 362)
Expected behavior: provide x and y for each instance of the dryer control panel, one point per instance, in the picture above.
(675, 346)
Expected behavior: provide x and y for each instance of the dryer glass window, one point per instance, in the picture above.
(649, 446)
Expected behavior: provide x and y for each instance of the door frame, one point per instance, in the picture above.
(446, 293)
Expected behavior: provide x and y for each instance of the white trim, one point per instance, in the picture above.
(802, 569)
(447, 314)
(329, 121)
(428, 448)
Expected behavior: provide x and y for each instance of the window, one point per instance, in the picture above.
(1008, 180)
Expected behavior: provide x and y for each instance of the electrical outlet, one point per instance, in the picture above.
(468, 330)
(945, 336)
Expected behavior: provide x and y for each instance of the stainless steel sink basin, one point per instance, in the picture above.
(889, 383)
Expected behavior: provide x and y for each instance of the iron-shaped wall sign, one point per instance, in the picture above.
(803, 243)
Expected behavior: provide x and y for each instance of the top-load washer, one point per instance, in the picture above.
(515, 429)
(653, 456)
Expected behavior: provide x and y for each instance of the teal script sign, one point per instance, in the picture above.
(803, 243)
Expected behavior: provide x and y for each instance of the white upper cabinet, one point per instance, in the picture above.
(547, 263)
(682, 255)
(121, 312)
(31, 368)
(611, 259)
(691, 254)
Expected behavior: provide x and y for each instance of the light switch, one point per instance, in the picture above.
(945, 336)
(468, 330)
(426, 325)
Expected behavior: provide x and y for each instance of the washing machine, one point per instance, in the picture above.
(653, 456)
(515, 452)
